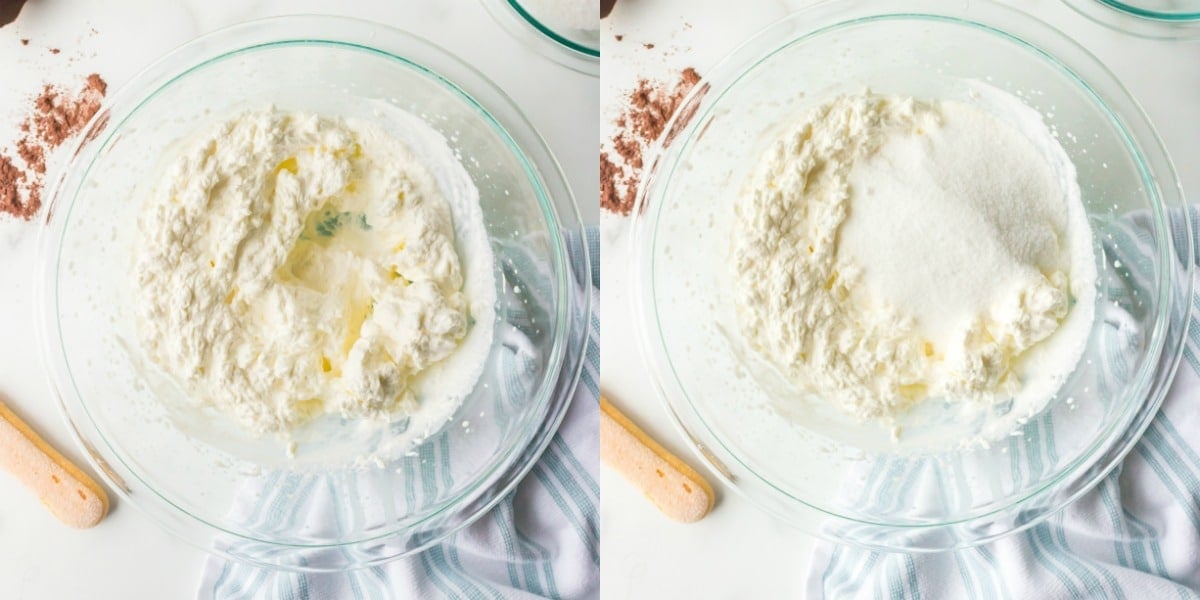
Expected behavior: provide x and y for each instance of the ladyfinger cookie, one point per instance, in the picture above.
(72, 496)
(677, 490)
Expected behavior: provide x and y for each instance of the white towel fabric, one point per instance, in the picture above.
(541, 541)
(1137, 535)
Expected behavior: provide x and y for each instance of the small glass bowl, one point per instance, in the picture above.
(565, 43)
(842, 483)
(196, 473)
(1159, 19)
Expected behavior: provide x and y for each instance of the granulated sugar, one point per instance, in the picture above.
(972, 202)
(889, 250)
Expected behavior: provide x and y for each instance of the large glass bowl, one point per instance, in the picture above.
(847, 481)
(1162, 19)
(197, 473)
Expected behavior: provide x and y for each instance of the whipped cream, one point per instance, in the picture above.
(293, 265)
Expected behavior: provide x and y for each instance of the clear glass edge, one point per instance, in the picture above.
(542, 40)
(1137, 22)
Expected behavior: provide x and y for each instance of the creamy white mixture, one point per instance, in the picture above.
(293, 265)
(889, 250)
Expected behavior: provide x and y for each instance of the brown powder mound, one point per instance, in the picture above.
(652, 107)
(97, 84)
(612, 199)
(55, 117)
(33, 201)
(11, 179)
(33, 155)
(648, 109)
(630, 151)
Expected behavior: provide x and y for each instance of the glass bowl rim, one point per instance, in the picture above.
(1158, 15)
(531, 32)
(548, 31)
(1140, 22)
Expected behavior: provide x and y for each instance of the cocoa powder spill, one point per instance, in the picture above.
(54, 117)
(33, 155)
(10, 179)
(649, 108)
(610, 173)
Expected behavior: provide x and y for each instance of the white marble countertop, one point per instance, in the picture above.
(739, 552)
(127, 556)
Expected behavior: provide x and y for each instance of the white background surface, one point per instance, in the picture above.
(737, 552)
(127, 556)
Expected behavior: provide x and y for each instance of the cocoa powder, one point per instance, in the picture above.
(610, 198)
(630, 151)
(11, 180)
(54, 117)
(648, 109)
(33, 155)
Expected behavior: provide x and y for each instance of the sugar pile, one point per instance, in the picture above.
(889, 250)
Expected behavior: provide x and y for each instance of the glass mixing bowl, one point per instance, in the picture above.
(844, 480)
(553, 36)
(197, 473)
(1164, 19)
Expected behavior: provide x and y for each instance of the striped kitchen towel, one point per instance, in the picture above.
(541, 541)
(1136, 535)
